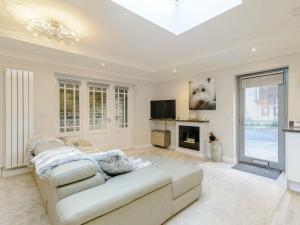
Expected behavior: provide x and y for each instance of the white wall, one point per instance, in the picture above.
(45, 98)
(222, 121)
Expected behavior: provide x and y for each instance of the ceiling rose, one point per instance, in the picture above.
(52, 30)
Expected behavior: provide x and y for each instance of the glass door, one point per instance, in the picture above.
(261, 119)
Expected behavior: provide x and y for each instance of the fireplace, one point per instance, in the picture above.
(189, 137)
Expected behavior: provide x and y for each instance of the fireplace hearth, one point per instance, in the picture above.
(189, 137)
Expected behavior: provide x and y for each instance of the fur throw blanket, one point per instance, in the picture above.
(115, 162)
(109, 163)
(46, 161)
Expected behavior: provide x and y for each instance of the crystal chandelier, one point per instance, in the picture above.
(52, 30)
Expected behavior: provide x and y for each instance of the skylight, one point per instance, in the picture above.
(178, 16)
(177, 2)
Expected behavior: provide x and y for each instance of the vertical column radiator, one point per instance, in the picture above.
(18, 116)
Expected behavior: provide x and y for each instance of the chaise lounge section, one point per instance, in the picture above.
(75, 193)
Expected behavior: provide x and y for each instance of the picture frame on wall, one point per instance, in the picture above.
(202, 94)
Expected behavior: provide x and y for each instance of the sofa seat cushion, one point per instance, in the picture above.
(72, 172)
(185, 176)
(116, 192)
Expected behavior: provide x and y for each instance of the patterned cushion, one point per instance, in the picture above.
(47, 147)
(39, 140)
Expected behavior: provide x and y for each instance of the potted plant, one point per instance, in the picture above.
(215, 148)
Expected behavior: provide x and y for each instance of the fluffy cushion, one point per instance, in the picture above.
(114, 162)
(47, 147)
(72, 172)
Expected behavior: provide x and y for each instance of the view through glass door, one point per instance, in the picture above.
(262, 118)
(108, 116)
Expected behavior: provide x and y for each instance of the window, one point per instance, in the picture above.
(69, 114)
(121, 107)
(97, 107)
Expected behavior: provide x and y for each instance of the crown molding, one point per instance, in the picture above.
(34, 58)
(15, 34)
(214, 69)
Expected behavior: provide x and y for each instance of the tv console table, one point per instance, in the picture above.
(161, 138)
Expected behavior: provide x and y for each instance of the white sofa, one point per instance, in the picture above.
(75, 193)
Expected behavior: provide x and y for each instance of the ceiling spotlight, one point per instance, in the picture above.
(253, 50)
(174, 71)
(103, 64)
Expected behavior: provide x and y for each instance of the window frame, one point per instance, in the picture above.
(104, 93)
(77, 129)
(125, 93)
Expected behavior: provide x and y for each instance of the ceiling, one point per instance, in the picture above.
(131, 46)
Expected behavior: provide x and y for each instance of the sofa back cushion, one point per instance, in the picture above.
(72, 172)
(69, 189)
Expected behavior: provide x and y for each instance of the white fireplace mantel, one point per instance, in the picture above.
(203, 145)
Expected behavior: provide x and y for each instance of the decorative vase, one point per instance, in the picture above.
(216, 151)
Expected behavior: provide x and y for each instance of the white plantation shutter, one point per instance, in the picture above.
(122, 87)
(68, 81)
(97, 85)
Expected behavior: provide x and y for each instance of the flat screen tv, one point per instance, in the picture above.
(164, 109)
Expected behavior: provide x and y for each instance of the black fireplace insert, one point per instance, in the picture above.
(189, 137)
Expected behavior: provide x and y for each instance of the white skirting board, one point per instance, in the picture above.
(293, 186)
(15, 171)
(18, 116)
(142, 146)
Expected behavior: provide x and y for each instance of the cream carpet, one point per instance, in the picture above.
(230, 197)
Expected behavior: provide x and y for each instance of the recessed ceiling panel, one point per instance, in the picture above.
(178, 16)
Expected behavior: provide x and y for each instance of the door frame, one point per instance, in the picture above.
(282, 124)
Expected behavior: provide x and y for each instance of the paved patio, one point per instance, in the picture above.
(262, 143)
